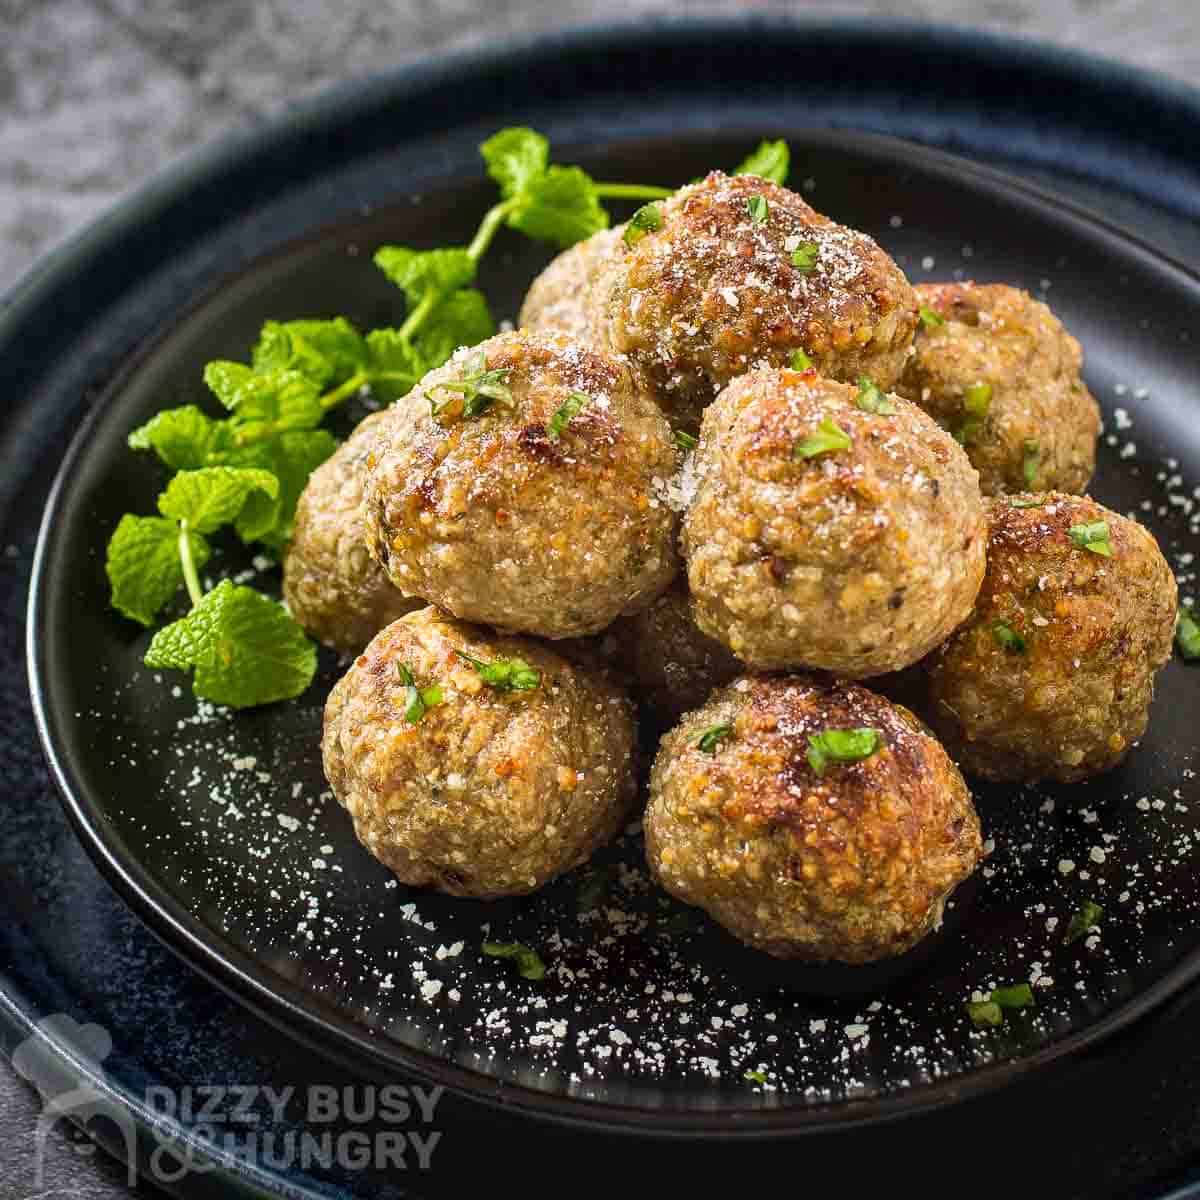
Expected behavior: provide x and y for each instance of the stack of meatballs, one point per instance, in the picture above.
(731, 466)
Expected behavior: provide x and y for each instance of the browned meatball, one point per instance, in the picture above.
(742, 272)
(561, 298)
(674, 666)
(488, 791)
(825, 535)
(803, 844)
(332, 585)
(1053, 675)
(1002, 374)
(533, 506)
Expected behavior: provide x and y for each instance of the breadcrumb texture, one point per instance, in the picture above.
(490, 793)
(332, 585)
(495, 521)
(854, 865)
(562, 298)
(858, 561)
(1040, 430)
(1096, 631)
(713, 293)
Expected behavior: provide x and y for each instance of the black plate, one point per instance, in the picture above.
(252, 873)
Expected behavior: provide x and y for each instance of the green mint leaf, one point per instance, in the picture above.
(804, 257)
(758, 209)
(560, 206)
(479, 388)
(930, 318)
(1031, 460)
(566, 413)
(143, 566)
(528, 963)
(515, 158)
(184, 438)
(461, 319)
(213, 496)
(394, 365)
(265, 402)
(291, 458)
(1093, 536)
(800, 361)
(1087, 915)
(1015, 996)
(244, 648)
(709, 739)
(685, 441)
(325, 352)
(1006, 636)
(984, 1013)
(755, 1077)
(505, 674)
(419, 272)
(770, 161)
(828, 438)
(1187, 634)
(841, 745)
(646, 220)
(872, 399)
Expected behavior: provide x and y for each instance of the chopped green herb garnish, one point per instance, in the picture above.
(828, 438)
(417, 701)
(567, 412)
(800, 361)
(480, 388)
(505, 674)
(841, 745)
(1088, 914)
(1015, 996)
(1031, 460)
(804, 257)
(755, 1077)
(685, 441)
(769, 161)
(872, 399)
(1187, 634)
(929, 318)
(977, 399)
(528, 962)
(710, 737)
(1025, 502)
(1093, 536)
(647, 219)
(758, 208)
(984, 1013)
(1008, 637)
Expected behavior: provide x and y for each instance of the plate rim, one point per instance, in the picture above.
(290, 1007)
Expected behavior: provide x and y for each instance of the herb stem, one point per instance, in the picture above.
(190, 575)
(344, 391)
(632, 191)
(488, 227)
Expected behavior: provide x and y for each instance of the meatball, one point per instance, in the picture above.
(561, 298)
(332, 585)
(811, 818)
(491, 788)
(997, 369)
(1053, 675)
(830, 528)
(742, 272)
(519, 486)
(674, 665)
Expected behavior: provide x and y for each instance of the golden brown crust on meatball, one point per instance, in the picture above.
(561, 298)
(858, 561)
(491, 793)
(714, 292)
(1069, 697)
(1039, 432)
(496, 520)
(851, 865)
(332, 585)
(674, 665)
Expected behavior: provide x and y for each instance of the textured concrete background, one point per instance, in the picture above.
(95, 95)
